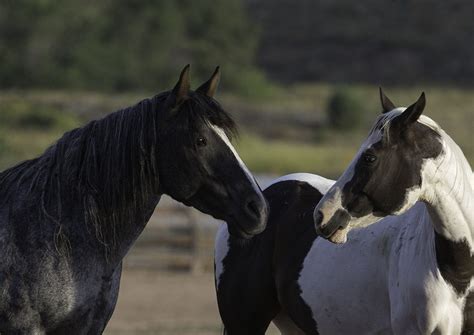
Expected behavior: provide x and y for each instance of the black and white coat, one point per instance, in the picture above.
(257, 279)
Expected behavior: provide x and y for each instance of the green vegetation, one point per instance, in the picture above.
(2, 144)
(28, 127)
(280, 157)
(370, 41)
(329, 151)
(23, 115)
(125, 45)
(344, 110)
(273, 137)
(140, 46)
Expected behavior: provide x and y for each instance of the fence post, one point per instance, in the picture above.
(196, 265)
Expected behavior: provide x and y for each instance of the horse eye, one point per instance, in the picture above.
(368, 158)
(201, 142)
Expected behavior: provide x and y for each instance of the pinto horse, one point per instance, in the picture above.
(402, 214)
(68, 217)
(407, 265)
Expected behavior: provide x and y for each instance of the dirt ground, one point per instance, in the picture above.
(165, 303)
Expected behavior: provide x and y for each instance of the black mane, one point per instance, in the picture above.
(110, 166)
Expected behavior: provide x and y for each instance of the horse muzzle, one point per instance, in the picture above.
(251, 218)
(334, 228)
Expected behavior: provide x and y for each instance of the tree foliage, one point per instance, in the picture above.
(121, 44)
(345, 110)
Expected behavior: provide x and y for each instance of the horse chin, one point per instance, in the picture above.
(339, 237)
(239, 233)
(250, 229)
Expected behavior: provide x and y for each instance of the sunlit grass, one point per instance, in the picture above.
(24, 144)
(281, 157)
(320, 151)
(452, 108)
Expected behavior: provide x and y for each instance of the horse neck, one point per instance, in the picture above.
(116, 170)
(129, 234)
(450, 195)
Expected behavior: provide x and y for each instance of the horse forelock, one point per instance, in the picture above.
(210, 111)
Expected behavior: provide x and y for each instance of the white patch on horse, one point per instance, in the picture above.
(320, 183)
(221, 248)
(412, 195)
(221, 133)
(448, 186)
(421, 299)
(334, 282)
(384, 295)
(331, 205)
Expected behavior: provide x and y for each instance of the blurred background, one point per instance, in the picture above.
(300, 77)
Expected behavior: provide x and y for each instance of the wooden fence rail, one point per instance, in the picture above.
(177, 238)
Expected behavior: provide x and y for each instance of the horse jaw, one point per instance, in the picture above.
(340, 236)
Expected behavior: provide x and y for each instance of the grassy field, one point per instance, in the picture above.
(279, 134)
(164, 303)
(329, 152)
(280, 156)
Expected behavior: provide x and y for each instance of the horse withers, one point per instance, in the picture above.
(68, 217)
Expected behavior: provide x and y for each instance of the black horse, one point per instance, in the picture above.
(68, 217)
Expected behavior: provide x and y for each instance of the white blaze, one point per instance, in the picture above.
(250, 177)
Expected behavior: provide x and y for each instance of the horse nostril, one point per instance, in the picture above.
(253, 208)
(318, 218)
(338, 221)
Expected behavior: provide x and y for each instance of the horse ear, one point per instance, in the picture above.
(209, 88)
(411, 114)
(387, 104)
(180, 90)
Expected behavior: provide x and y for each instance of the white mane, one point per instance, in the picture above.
(449, 145)
(384, 121)
(454, 155)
